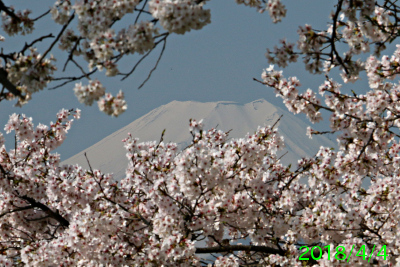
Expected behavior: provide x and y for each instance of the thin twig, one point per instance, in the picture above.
(158, 61)
(56, 40)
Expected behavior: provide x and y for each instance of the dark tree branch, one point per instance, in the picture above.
(70, 79)
(231, 248)
(140, 11)
(56, 40)
(55, 215)
(41, 16)
(9, 12)
(334, 51)
(26, 46)
(7, 84)
(158, 61)
(16, 210)
(126, 75)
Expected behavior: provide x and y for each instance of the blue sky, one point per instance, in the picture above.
(216, 63)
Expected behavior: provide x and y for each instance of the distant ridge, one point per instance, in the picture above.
(108, 155)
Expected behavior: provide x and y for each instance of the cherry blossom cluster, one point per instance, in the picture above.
(380, 25)
(366, 8)
(31, 73)
(61, 11)
(179, 16)
(20, 24)
(138, 38)
(209, 163)
(380, 70)
(275, 8)
(95, 17)
(296, 102)
(68, 40)
(113, 105)
(359, 24)
(86, 94)
(282, 55)
(101, 48)
(310, 44)
(354, 37)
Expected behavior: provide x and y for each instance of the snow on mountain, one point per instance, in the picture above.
(109, 155)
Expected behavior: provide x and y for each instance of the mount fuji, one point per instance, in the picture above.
(108, 155)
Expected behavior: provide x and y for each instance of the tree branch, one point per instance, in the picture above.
(55, 215)
(9, 12)
(7, 84)
(56, 40)
(231, 248)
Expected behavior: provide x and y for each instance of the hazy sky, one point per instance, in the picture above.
(216, 63)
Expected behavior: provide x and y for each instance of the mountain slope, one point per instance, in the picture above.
(108, 155)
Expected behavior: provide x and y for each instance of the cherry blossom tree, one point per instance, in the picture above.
(173, 207)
